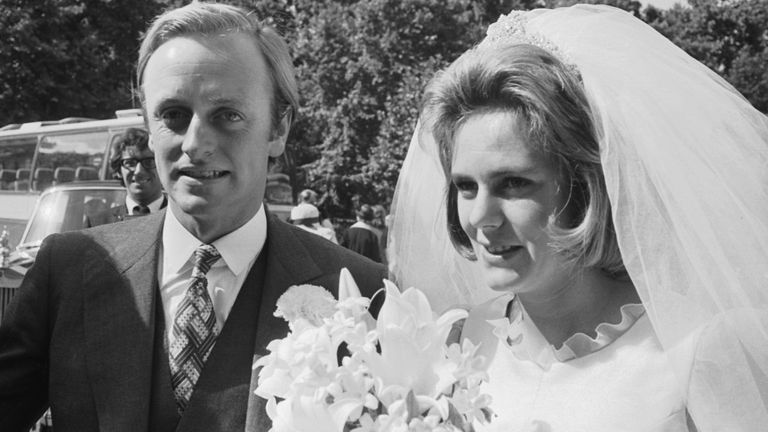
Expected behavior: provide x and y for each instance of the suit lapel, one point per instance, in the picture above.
(288, 263)
(119, 294)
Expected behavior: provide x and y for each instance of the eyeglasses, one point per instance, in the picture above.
(131, 163)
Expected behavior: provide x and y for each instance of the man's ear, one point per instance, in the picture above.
(280, 135)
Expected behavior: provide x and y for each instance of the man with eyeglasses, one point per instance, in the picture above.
(133, 162)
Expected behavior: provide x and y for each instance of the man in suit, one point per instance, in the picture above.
(133, 163)
(362, 237)
(153, 324)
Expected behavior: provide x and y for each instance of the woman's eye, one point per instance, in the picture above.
(516, 183)
(465, 188)
(176, 119)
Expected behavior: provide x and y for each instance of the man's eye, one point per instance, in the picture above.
(229, 120)
(231, 116)
(176, 119)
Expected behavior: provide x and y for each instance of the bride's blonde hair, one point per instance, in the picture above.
(537, 87)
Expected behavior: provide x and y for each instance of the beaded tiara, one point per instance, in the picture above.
(512, 28)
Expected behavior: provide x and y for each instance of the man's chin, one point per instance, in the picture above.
(193, 205)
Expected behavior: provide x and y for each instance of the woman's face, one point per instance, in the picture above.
(506, 194)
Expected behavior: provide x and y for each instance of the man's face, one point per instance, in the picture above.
(142, 183)
(209, 107)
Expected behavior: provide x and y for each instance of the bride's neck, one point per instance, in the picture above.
(578, 306)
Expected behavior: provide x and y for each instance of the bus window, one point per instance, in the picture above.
(61, 158)
(16, 155)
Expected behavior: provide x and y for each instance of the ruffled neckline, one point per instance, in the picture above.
(520, 335)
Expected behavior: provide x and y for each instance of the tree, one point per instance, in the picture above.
(632, 6)
(730, 37)
(64, 58)
(360, 65)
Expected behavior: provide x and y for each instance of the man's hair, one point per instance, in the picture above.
(549, 98)
(365, 213)
(132, 137)
(212, 19)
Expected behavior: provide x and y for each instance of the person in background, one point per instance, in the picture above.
(309, 196)
(153, 324)
(362, 237)
(133, 162)
(307, 217)
(380, 222)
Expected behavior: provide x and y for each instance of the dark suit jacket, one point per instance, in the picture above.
(114, 214)
(79, 333)
(363, 241)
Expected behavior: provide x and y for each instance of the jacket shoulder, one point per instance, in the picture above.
(331, 258)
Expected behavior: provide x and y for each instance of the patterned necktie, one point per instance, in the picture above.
(194, 329)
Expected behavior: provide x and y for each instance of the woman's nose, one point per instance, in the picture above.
(486, 212)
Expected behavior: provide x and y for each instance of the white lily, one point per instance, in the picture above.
(412, 341)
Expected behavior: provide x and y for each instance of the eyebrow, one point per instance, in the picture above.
(517, 172)
(164, 102)
(219, 101)
(213, 100)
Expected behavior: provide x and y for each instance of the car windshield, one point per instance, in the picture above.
(67, 210)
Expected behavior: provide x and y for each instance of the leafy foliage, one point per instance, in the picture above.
(62, 58)
(361, 67)
(731, 38)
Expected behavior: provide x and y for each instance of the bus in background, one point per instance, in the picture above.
(35, 156)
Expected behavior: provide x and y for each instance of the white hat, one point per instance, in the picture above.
(304, 211)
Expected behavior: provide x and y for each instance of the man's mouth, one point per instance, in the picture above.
(203, 174)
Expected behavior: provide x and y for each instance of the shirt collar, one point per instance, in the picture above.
(154, 206)
(179, 244)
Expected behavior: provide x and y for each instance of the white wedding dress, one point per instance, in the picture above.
(537, 388)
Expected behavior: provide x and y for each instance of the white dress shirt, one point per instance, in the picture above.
(239, 250)
(153, 207)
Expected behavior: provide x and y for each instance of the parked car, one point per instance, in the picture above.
(61, 208)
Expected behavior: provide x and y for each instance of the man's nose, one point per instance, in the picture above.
(197, 143)
(141, 171)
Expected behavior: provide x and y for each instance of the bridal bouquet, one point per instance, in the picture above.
(399, 374)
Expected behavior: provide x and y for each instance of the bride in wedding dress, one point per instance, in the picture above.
(599, 200)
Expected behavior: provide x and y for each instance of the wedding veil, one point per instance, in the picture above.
(685, 159)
